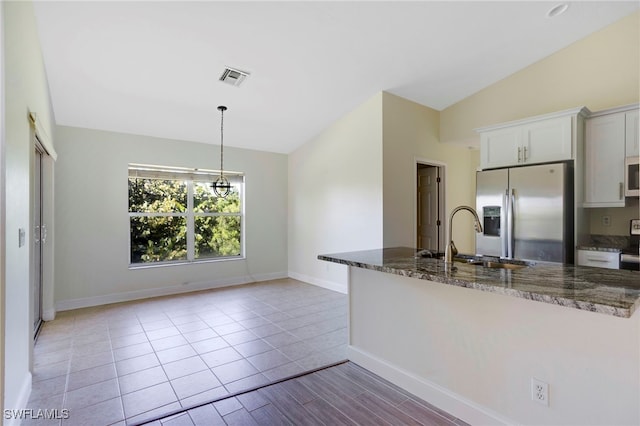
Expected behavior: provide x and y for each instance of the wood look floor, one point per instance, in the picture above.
(345, 394)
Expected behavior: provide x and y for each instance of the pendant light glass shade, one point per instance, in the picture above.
(221, 186)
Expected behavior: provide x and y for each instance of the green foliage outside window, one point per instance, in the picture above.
(216, 235)
(159, 221)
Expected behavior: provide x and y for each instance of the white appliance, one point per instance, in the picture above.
(526, 212)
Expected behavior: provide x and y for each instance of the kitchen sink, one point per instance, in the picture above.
(501, 265)
(491, 262)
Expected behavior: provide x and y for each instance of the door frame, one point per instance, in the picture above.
(36, 278)
(442, 198)
(40, 136)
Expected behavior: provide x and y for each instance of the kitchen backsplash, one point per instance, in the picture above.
(611, 241)
(619, 218)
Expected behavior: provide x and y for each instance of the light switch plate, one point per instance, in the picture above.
(21, 237)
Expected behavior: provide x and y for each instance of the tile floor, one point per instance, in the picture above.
(128, 362)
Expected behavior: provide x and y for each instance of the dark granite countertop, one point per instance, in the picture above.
(607, 291)
(600, 248)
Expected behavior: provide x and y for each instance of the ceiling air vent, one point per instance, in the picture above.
(233, 76)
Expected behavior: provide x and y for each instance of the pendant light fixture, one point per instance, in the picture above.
(221, 186)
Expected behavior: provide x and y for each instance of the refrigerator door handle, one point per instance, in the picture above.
(504, 224)
(510, 226)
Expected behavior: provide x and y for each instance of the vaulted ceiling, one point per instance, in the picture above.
(153, 68)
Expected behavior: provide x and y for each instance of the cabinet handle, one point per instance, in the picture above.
(524, 157)
(519, 155)
(621, 190)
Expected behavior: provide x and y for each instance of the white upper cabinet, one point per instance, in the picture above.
(632, 140)
(535, 140)
(547, 140)
(500, 148)
(604, 161)
(610, 136)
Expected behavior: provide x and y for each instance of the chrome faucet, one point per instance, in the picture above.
(451, 249)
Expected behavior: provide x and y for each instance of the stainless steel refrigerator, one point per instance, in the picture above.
(526, 212)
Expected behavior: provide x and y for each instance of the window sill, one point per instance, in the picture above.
(134, 266)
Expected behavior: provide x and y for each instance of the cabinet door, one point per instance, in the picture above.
(633, 134)
(499, 148)
(604, 161)
(548, 140)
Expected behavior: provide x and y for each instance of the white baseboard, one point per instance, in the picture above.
(20, 401)
(85, 302)
(432, 393)
(48, 314)
(330, 285)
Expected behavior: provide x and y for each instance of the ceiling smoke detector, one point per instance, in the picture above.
(233, 76)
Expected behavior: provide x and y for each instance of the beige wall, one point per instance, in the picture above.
(335, 195)
(599, 72)
(26, 90)
(353, 187)
(620, 217)
(411, 133)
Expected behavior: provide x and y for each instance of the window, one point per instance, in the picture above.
(174, 216)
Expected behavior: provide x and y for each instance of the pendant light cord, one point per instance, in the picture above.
(222, 109)
(221, 186)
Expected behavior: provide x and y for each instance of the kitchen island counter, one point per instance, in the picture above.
(477, 354)
(612, 292)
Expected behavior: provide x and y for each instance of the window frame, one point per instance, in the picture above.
(190, 177)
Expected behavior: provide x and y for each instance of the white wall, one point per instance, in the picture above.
(2, 208)
(335, 195)
(473, 353)
(25, 90)
(92, 222)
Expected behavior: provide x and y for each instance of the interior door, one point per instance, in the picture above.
(428, 208)
(39, 235)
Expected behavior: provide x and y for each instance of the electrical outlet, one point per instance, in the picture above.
(606, 220)
(539, 391)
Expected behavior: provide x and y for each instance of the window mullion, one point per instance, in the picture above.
(191, 240)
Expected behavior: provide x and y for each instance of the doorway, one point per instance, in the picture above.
(430, 206)
(39, 239)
